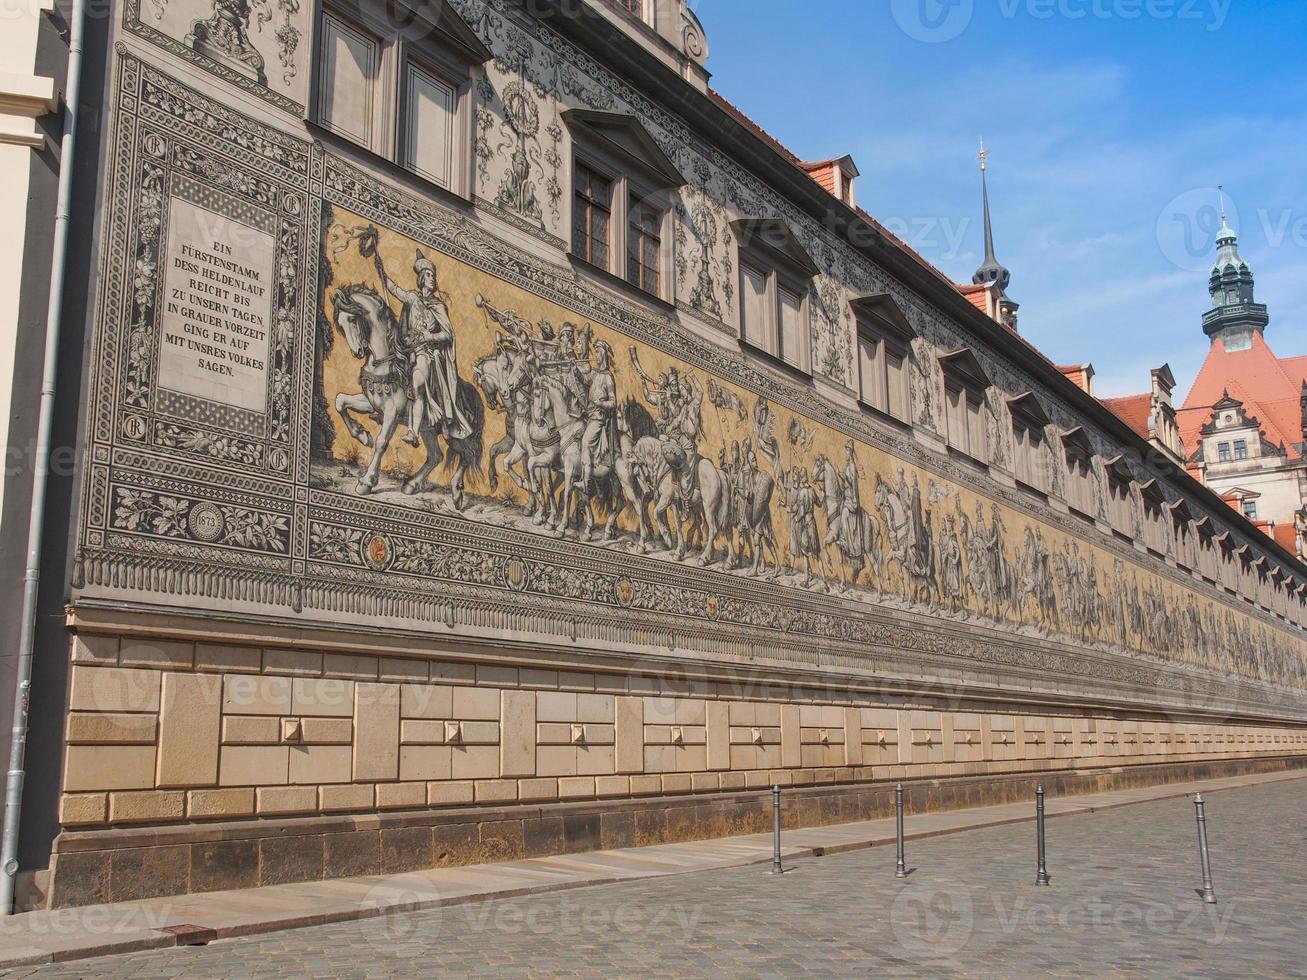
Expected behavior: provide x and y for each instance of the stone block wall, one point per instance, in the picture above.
(165, 732)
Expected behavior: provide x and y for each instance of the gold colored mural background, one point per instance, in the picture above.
(960, 554)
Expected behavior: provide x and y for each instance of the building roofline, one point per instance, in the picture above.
(715, 119)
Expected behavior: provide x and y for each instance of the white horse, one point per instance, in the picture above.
(857, 544)
(372, 334)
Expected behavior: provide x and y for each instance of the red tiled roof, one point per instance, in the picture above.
(1286, 536)
(1081, 374)
(1133, 410)
(976, 294)
(739, 115)
(1269, 387)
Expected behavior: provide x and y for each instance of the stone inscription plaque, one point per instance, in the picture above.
(217, 307)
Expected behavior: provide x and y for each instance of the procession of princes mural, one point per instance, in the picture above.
(444, 388)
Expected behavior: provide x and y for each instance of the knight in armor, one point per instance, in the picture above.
(429, 337)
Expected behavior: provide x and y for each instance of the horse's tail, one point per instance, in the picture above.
(466, 452)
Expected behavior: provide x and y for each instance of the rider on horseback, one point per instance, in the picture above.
(600, 436)
(428, 335)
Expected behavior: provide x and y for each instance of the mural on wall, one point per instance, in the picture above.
(468, 428)
(258, 45)
(451, 391)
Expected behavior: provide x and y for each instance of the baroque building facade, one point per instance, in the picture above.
(494, 443)
(1244, 417)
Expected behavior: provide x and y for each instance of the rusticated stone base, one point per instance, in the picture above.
(91, 867)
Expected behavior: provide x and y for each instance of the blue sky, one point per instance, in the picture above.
(1109, 124)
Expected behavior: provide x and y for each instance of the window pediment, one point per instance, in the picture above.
(622, 136)
(1118, 469)
(776, 240)
(1027, 409)
(1151, 491)
(965, 368)
(881, 310)
(1077, 440)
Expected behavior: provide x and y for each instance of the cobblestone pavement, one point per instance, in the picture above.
(1123, 902)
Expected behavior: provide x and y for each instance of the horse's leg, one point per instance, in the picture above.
(503, 446)
(391, 412)
(570, 493)
(347, 404)
(537, 475)
(418, 481)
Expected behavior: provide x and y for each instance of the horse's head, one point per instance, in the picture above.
(541, 403)
(488, 378)
(363, 317)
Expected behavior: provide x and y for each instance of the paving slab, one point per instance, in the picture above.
(35, 938)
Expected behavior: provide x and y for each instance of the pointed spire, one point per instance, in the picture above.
(1226, 235)
(991, 270)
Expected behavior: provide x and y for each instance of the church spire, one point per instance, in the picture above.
(991, 269)
(1235, 314)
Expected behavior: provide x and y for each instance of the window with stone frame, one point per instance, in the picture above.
(1028, 435)
(622, 192)
(1228, 563)
(633, 7)
(1223, 452)
(399, 87)
(965, 408)
(1080, 483)
(1120, 501)
(884, 347)
(1209, 556)
(644, 247)
(1183, 535)
(1241, 449)
(1157, 534)
(592, 215)
(775, 274)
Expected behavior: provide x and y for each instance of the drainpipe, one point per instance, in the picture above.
(40, 478)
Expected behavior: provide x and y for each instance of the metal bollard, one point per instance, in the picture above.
(1209, 896)
(902, 870)
(1041, 876)
(776, 868)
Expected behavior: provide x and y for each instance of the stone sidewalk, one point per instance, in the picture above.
(69, 934)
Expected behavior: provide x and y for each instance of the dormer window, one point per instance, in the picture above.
(884, 346)
(1241, 449)
(775, 273)
(622, 183)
